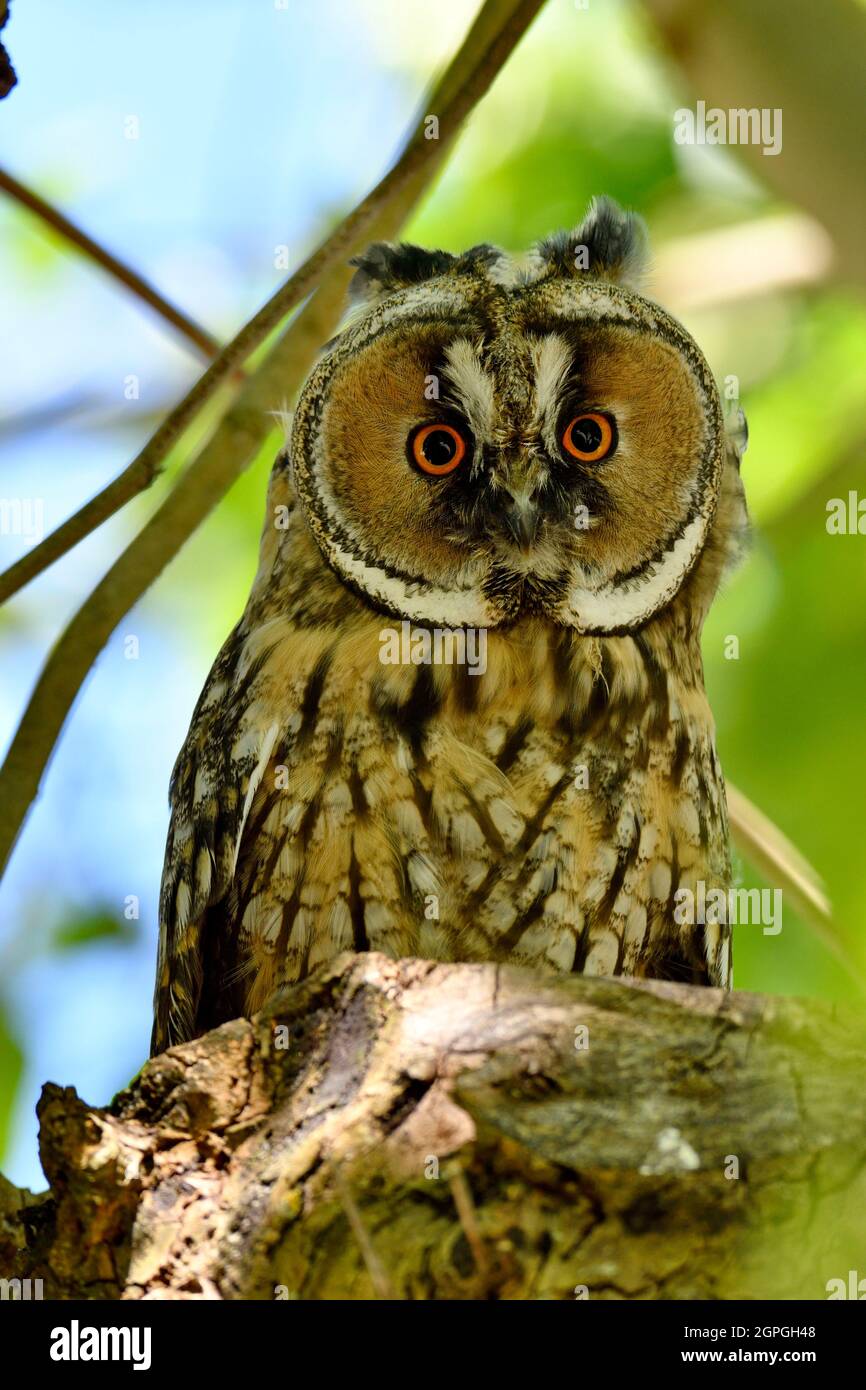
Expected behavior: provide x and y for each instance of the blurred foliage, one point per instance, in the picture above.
(11, 1070)
(84, 928)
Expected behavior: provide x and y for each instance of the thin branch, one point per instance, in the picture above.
(376, 1270)
(87, 519)
(141, 288)
(239, 435)
(469, 1221)
(770, 851)
(419, 159)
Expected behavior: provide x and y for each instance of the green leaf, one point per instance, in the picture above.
(86, 927)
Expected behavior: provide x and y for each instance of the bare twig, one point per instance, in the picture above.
(141, 288)
(469, 1221)
(375, 1268)
(768, 849)
(242, 430)
(134, 480)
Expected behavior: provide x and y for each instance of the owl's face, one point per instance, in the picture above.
(485, 441)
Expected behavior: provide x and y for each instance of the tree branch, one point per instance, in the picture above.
(203, 341)
(414, 1130)
(232, 447)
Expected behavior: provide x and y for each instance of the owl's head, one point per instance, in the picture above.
(489, 438)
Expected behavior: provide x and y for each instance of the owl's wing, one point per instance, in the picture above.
(218, 769)
(212, 787)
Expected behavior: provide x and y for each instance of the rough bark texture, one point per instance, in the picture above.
(414, 1130)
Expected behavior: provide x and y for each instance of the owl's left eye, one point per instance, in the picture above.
(436, 449)
(589, 437)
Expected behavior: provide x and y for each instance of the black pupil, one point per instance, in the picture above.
(586, 436)
(439, 448)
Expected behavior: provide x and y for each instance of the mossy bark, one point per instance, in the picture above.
(416, 1130)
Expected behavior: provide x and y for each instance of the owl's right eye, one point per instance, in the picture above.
(590, 437)
(436, 449)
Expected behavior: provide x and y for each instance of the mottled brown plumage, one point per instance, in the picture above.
(546, 809)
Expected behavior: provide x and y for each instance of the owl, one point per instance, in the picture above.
(463, 715)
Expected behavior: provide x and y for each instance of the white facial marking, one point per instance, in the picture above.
(622, 605)
(472, 387)
(423, 603)
(552, 357)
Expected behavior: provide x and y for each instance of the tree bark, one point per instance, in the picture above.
(412, 1130)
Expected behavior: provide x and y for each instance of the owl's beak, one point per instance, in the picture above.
(522, 516)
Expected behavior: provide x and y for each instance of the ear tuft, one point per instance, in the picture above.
(609, 244)
(383, 268)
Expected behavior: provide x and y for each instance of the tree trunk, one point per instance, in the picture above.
(415, 1130)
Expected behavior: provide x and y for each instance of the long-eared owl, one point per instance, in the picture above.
(463, 716)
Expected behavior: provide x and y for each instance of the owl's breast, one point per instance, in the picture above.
(544, 809)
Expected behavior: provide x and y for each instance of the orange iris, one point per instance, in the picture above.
(438, 449)
(589, 437)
